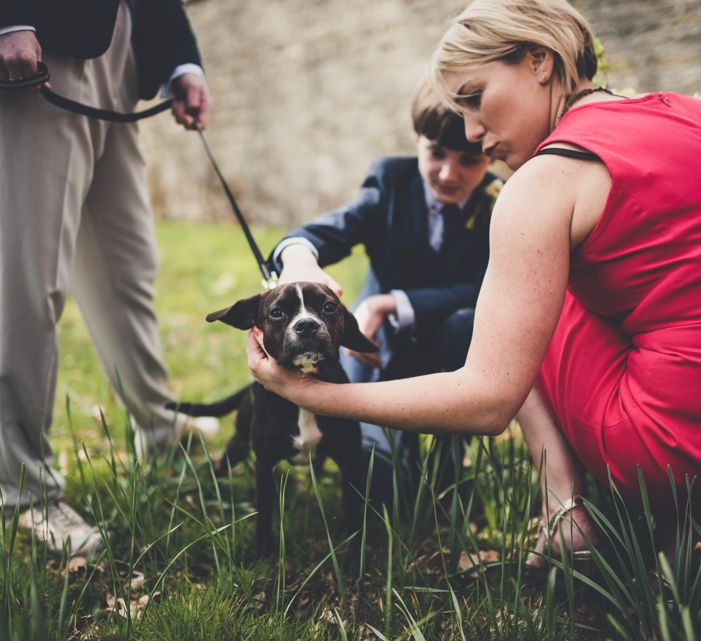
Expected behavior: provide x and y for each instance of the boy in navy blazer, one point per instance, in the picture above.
(424, 223)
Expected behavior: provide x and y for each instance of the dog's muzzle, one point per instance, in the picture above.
(308, 362)
(310, 343)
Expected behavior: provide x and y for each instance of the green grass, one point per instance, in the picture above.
(180, 561)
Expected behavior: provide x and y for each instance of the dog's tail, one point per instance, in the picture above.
(218, 408)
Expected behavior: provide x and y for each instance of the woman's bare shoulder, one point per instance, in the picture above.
(560, 190)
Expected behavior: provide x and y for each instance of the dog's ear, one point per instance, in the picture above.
(242, 314)
(353, 338)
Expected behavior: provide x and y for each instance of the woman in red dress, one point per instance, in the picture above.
(588, 324)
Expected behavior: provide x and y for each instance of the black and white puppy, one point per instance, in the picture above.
(303, 325)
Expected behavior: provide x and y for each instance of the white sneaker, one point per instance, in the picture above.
(150, 441)
(60, 525)
(208, 426)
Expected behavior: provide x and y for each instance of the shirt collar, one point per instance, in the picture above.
(433, 204)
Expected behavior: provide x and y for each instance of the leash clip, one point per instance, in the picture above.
(271, 282)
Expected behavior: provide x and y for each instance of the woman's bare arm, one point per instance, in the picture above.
(516, 314)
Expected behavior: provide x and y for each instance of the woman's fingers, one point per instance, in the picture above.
(254, 349)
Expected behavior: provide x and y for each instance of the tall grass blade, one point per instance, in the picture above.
(334, 558)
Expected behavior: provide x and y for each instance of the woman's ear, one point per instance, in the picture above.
(541, 62)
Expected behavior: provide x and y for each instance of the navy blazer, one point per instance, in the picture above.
(162, 36)
(390, 219)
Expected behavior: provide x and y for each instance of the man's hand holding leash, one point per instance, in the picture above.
(20, 52)
(191, 101)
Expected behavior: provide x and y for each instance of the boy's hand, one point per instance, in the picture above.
(371, 313)
(299, 264)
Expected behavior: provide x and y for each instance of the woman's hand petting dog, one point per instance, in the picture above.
(273, 376)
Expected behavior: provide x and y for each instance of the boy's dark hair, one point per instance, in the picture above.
(434, 121)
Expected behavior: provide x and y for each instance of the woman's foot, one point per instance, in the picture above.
(569, 523)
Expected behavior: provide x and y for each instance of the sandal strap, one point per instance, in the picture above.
(567, 506)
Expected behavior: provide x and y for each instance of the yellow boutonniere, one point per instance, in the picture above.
(471, 222)
(492, 190)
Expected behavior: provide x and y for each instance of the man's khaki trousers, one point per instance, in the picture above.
(74, 213)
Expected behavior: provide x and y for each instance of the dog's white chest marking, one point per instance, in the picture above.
(308, 438)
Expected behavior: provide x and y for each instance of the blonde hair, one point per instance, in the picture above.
(490, 30)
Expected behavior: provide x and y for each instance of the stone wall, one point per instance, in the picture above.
(308, 92)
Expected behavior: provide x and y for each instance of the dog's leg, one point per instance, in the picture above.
(265, 493)
(348, 456)
(239, 445)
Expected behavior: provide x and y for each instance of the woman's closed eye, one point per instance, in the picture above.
(470, 101)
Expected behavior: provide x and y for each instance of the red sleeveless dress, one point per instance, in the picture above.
(623, 371)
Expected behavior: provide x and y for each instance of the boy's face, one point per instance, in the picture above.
(450, 174)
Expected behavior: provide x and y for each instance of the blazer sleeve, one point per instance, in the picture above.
(181, 46)
(16, 12)
(336, 232)
(163, 39)
(75, 28)
(433, 304)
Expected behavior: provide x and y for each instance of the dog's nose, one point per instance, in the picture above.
(306, 327)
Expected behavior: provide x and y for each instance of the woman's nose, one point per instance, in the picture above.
(474, 130)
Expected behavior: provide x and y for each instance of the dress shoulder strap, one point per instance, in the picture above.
(569, 153)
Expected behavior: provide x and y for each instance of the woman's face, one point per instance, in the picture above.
(508, 107)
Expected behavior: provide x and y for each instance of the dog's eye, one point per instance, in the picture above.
(328, 308)
(276, 313)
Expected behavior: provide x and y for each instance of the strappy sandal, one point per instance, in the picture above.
(579, 560)
(494, 570)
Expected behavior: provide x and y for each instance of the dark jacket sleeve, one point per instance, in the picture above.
(16, 12)
(75, 28)
(162, 36)
(163, 39)
(433, 304)
(336, 232)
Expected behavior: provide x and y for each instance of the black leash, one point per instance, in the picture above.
(269, 276)
(73, 106)
(43, 75)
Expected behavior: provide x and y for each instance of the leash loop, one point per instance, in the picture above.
(42, 75)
